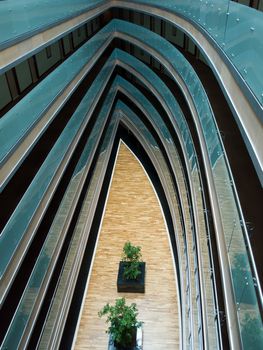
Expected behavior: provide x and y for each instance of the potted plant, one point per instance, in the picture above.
(124, 328)
(131, 275)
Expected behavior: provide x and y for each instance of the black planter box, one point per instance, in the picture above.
(131, 286)
(137, 346)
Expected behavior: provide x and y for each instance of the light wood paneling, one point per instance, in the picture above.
(132, 213)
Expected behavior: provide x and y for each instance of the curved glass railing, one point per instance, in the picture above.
(15, 229)
(42, 265)
(234, 227)
(191, 241)
(229, 207)
(21, 19)
(183, 131)
(185, 246)
(40, 99)
(74, 256)
(46, 336)
(160, 164)
(234, 28)
(76, 62)
(55, 237)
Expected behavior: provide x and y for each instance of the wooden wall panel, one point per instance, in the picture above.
(132, 213)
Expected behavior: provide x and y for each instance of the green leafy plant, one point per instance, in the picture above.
(132, 257)
(123, 322)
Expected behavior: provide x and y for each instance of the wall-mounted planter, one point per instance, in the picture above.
(131, 286)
